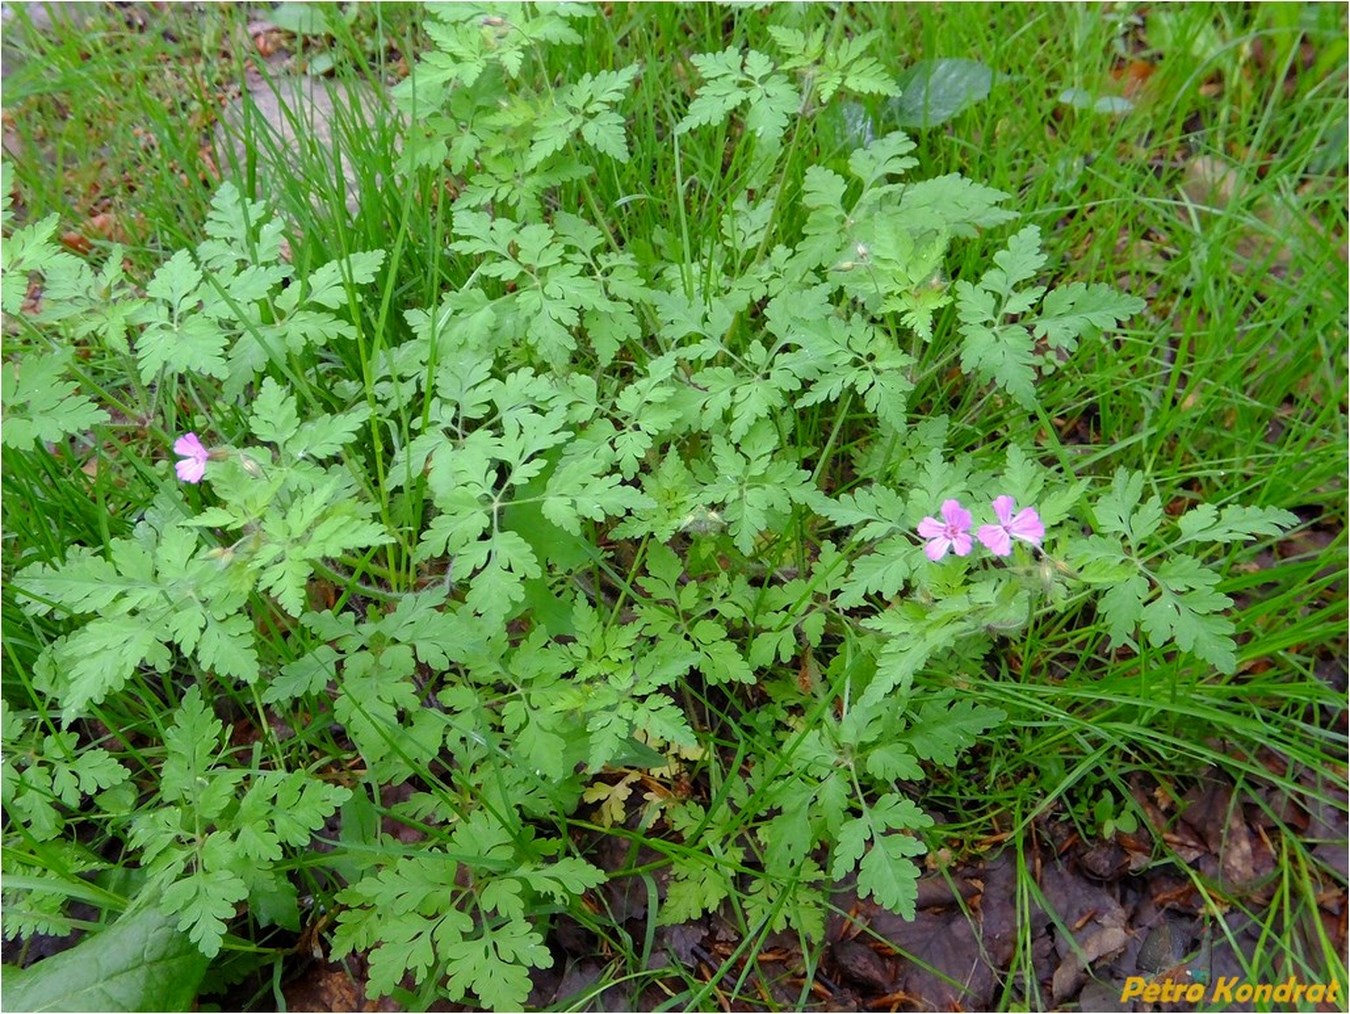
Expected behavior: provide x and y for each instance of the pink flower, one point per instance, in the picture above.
(1025, 526)
(952, 532)
(195, 456)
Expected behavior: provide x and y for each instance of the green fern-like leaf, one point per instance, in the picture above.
(732, 79)
(41, 405)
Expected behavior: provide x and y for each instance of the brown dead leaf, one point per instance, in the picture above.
(106, 226)
(1098, 922)
(1133, 77)
(1205, 812)
(32, 300)
(1212, 184)
(1172, 892)
(863, 966)
(76, 242)
(1187, 847)
(269, 42)
(207, 157)
(391, 796)
(1242, 859)
(942, 966)
(1101, 942)
(324, 987)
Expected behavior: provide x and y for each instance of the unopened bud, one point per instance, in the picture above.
(223, 555)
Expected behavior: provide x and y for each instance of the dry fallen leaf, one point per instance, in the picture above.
(76, 242)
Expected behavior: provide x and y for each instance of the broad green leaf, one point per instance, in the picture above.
(139, 962)
(934, 91)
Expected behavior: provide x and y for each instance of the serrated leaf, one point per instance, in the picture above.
(1236, 524)
(563, 878)
(40, 404)
(204, 902)
(275, 418)
(194, 344)
(943, 729)
(1146, 519)
(91, 771)
(175, 282)
(1001, 354)
(301, 805)
(849, 67)
(102, 656)
(961, 205)
(914, 633)
(894, 812)
(328, 434)
(887, 875)
(1187, 618)
(86, 583)
(696, 886)
(722, 661)
(507, 561)
(192, 742)
(883, 572)
(894, 762)
(732, 80)
(1114, 510)
(578, 490)
(328, 285)
(1123, 607)
(228, 647)
(721, 91)
(338, 533)
(585, 108)
(1077, 310)
(496, 965)
(849, 846)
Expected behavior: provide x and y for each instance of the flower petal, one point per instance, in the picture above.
(1027, 526)
(937, 549)
(957, 516)
(995, 539)
(931, 528)
(1003, 509)
(189, 446)
(961, 543)
(190, 469)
